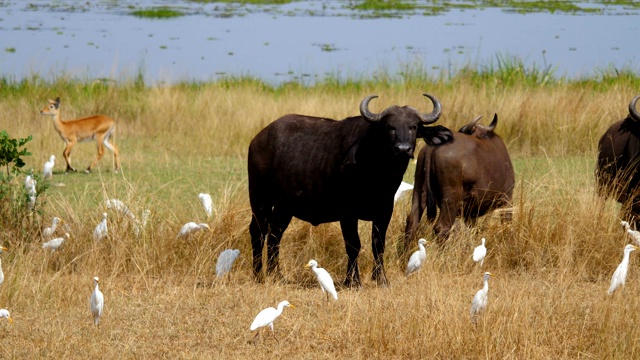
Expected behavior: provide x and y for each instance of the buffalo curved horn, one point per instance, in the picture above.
(364, 110)
(635, 115)
(494, 123)
(435, 114)
(468, 129)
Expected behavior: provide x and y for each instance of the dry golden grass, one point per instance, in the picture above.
(552, 264)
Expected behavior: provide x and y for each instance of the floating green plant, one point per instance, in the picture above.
(163, 12)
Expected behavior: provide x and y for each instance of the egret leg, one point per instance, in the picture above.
(274, 333)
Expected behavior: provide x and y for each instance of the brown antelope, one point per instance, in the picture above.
(97, 127)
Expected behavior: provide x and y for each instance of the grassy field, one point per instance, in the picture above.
(552, 264)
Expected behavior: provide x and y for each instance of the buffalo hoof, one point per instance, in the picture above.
(259, 278)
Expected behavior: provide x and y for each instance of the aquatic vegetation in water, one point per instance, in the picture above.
(158, 13)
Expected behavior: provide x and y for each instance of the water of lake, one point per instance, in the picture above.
(103, 40)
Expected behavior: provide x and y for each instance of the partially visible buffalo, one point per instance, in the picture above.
(618, 158)
(468, 177)
(322, 170)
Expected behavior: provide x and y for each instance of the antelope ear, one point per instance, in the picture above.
(57, 103)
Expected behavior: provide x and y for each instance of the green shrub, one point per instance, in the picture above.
(18, 202)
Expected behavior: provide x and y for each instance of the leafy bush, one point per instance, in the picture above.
(18, 202)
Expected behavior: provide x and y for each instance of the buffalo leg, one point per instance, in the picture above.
(378, 239)
(448, 213)
(352, 243)
(418, 204)
(258, 230)
(418, 200)
(279, 224)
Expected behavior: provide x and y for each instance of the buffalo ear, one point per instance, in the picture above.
(435, 135)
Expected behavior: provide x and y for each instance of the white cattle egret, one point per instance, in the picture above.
(4, 313)
(101, 231)
(480, 252)
(118, 205)
(207, 203)
(28, 181)
(404, 186)
(55, 244)
(138, 226)
(97, 302)
(191, 227)
(417, 258)
(47, 172)
(48, 231)
(32, 193)
(225, 261)
(325, 280)
(266, 317)
(620, 275)
(2, 272)
(480, 300)
(635, 235)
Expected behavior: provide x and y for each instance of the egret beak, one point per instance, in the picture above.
(307, 266)
(3, 248)
(291, 306)
(10, 320)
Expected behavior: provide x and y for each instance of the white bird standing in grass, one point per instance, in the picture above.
(266, 317)
(28, 181)
(47, 172)
(635, 235)
(118, 205)
(620, 275)
(404, 186)
(225, 261)
(191, 227)
(417, 258)
(2, 272)
(479, 302)
(325, 280)
(207, 203)
(55, 244)
(101, 231)
(48, 231)
(480, 252)
(4, 313)
(31, 190)
(138, 226)
(97, 302)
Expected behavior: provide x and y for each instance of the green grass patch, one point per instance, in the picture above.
(253, 2)
(158, 13)
(548, 6)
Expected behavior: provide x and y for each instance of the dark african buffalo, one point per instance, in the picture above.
(468, 177)
(322, 170)
(618, 158)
